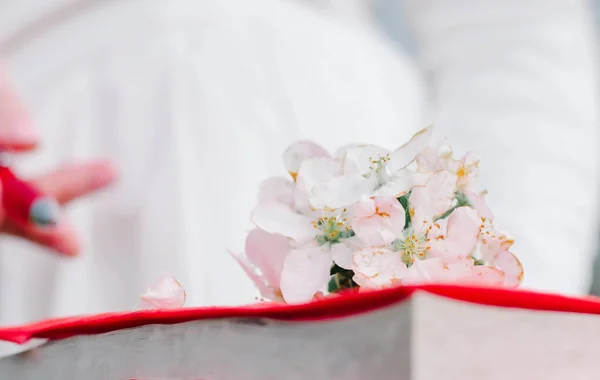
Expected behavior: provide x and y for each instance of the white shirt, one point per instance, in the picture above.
(195, 101)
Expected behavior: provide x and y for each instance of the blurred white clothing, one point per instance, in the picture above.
(517, 81)
(195, 100)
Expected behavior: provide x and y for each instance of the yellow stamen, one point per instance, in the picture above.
(383, 214)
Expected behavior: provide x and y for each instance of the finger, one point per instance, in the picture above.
(64, 185)
(62, 240)
(16, 128)
(74, 181)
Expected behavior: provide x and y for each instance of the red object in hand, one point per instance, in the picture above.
(24, 204)
(17, 196)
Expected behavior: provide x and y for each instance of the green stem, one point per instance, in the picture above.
(461, 202)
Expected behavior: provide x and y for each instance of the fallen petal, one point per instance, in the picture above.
(167, 293)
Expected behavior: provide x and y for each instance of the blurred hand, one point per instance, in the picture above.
(65, 184)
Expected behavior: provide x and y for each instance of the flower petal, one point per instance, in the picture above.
(267, 252)
(358, 159)
(487, 276)
(305, 272)
(300, 151)
(403, 156)
(260, 282)
(313, 173)
(478, 203)
(342, 252)
(277, 189)
(385, 223)
(374, 230)
(428, 160)
(462, 230)
(437, 157)
(493, 242)
(434, 198)
(377, 267)
(471, 159)
(317, 170)
(341, 191)
(364, 282)
(277, 218)
(390, 207)
(427, 271)
(166, 293)
(510, 265)
(467, 171)
(364, 208)
(400, 183)
(340, 154)
(462, 271)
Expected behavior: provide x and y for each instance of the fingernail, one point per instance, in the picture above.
(63, 247)
(68, 248)
(65, 240)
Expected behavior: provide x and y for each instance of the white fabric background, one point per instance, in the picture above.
(195, 100)
(517, 81)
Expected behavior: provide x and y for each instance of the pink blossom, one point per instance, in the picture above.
(263, 262)
(378, 220)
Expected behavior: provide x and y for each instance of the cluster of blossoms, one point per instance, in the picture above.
(369, 218)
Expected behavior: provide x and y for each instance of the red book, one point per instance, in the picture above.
(425, 333)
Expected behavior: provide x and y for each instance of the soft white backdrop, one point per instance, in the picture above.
(196, 100)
